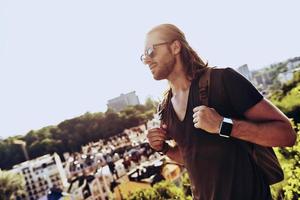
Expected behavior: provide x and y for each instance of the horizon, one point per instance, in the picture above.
(59, 60)
(116, 97)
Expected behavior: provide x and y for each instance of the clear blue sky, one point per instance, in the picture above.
(62, 58)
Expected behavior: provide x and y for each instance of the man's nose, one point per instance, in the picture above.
(147, 60)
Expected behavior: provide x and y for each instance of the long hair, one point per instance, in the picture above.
(193, 64)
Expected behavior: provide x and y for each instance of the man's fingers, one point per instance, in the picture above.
(156, 137)
(155, 134)
(195, 120)
(195, 115)
(157, 146)
(196, 109)
(157, 142)
(160, 130)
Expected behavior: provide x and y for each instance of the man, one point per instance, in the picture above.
(218, 167)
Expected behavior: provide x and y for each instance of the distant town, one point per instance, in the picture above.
(107, 169)
(272, 77)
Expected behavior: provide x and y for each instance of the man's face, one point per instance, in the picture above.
(158, 56)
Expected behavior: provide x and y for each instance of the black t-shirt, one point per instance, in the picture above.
(219, 169)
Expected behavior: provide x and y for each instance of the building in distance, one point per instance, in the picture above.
(119, 103)
(244, 70)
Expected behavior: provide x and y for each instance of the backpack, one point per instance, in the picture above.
(263, 157)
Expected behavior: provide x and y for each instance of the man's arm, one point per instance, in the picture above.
(265, 125)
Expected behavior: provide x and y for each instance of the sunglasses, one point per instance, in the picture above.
(149, 52)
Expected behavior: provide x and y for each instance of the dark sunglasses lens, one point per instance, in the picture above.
(149, 52)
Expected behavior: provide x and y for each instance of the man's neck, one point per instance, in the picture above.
(178, 80)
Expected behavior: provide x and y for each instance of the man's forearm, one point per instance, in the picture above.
(175, 154)
(272, 134)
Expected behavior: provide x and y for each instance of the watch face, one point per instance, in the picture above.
(226, 129)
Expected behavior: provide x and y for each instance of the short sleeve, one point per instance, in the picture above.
(241, 93)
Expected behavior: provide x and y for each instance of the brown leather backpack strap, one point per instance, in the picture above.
(204, 85)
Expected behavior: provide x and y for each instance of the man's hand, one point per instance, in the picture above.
(207, 119)
(157, 137)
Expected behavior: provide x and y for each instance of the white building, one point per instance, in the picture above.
(285, 77)
(137, 135)
(119, 103)
(293, 63)
(41, 174)
(244, 70)
(120, 168)
(92, 187)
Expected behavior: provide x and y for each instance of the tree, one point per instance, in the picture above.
(10, 153)
(11, 184)
(289, 158)
(150, 104)
(287, 100)
(160, 191)
(71, 134)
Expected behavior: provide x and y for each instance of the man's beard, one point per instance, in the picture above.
(164, 70)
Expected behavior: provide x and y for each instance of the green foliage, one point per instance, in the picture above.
(11, 184)
(289, 158)
(271, 73)
(160, 191)
(292, 83)
(287, 99)
(71, 134)
(290, 101)
(186, 185)
(10, 153)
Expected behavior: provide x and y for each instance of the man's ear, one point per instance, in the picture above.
(176, 47)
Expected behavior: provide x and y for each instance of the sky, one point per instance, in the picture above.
(62, 58)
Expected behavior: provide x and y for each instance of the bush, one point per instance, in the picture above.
(160, 191)
(289, 158)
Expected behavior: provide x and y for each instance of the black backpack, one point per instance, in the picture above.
(264, 157)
